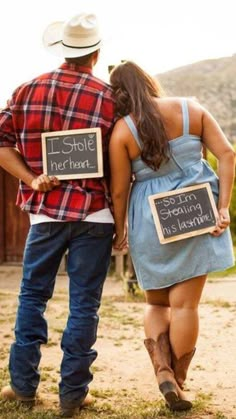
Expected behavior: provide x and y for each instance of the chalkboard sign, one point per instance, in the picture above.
(183, 213)
(73, 154)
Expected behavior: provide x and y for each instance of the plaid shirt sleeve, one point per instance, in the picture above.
(7, 135)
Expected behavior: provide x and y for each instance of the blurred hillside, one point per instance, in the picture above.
(213, 83)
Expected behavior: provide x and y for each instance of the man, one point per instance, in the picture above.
(72, 215)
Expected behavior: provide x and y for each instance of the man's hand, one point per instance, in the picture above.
(44, 183)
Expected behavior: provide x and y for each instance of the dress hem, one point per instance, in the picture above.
(186, 279)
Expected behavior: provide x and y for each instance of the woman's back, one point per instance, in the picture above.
(174, 116)
(185, 149)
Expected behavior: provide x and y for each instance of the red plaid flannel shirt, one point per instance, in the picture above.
(68, 98)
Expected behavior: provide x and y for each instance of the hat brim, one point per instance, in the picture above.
(52, 41)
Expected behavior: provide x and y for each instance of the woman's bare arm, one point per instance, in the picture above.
(216, 141)
(120, 182)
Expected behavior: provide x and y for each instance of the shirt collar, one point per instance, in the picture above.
(76, 67)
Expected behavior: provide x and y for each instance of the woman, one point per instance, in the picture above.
(158, 141)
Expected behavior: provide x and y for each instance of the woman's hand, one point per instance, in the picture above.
(44, 183)
(120, 240)
(223, 222)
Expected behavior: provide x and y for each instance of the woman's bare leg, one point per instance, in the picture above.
(156, 313)
(184, 321)
(184, 325)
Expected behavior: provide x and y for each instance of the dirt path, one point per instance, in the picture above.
(123, 369)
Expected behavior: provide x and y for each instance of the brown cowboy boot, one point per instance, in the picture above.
(7, 393)
(160, 354)
(69, 411)
(180, 366)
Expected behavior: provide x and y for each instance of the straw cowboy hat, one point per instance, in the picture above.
(75, 38)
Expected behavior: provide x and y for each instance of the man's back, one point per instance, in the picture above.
(68, 98)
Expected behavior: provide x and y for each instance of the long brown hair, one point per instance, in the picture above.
(134, 91)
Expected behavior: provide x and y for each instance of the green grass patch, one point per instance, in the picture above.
(117, 316)
(111, 404)
(219, 303)
(115, 405)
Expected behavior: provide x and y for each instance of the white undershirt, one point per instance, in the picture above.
(102, 216)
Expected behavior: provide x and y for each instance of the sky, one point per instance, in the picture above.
(159, 35)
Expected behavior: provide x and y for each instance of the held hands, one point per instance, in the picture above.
(223, 222)
(120, 239)
(44, 183)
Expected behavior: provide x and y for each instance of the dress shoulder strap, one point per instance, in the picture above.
(185, 113)
(129, 121)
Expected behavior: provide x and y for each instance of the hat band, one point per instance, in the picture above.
(88, 46)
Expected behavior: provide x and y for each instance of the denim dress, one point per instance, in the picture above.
(162, 265)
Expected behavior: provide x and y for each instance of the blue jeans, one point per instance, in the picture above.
(89, 250)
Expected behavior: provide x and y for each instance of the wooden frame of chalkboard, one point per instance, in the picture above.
(184, 213)
(73, 154)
